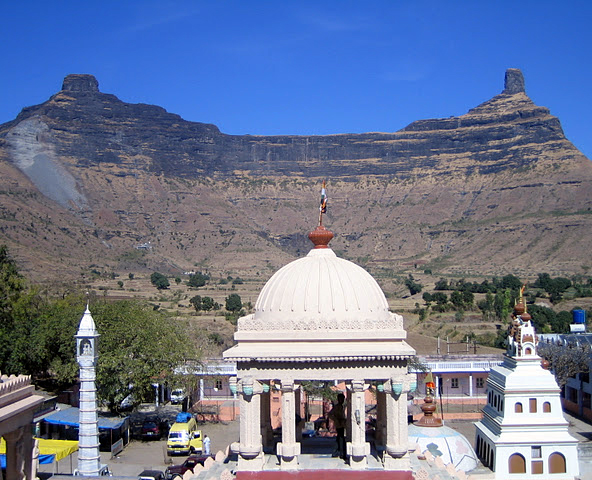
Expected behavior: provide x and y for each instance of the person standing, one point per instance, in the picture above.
(337, 414)
(206, 445)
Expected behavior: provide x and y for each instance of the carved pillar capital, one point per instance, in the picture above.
(396, 386)
(357, 386)
(287, 386)
(248, 386)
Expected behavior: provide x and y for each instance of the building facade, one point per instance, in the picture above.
(523, 433)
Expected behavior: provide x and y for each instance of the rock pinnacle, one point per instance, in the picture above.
(514, 82)
(80, 83)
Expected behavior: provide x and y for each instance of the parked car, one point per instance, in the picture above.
(127, 403)
(177, 395)
(153, 428)
(177, 471)
(151, 475)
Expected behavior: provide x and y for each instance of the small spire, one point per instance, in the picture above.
(429, 407)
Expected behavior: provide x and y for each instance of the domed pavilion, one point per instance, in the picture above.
(322, 318)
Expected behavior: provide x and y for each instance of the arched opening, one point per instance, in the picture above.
(518, 407)
(528, 351)
(546, 407)
(517, 463)
(557, 463)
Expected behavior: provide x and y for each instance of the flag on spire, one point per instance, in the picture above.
(323, 206)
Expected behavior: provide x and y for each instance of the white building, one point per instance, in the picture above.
(523, 433)
(323, 318)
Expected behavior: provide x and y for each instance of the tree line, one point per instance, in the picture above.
(138, 346)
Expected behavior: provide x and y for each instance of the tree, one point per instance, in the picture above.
(207, 303)
(197, 280)
(234, 303)
(440, 298)
(441, 284)
(177, 280)
(501, 304)
(196, 302)
(565, 361)
(512, 282)
(20, 336)
(427, 298)
(159, 281)
(413, 286)
(486, 305)
(468, 299)
(456, 298)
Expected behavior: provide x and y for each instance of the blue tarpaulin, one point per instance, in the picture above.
(44, 459)
(70, 417)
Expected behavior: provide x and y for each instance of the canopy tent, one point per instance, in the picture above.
(49, 450)
(70, 417)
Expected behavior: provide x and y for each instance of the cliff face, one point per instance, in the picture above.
(86, 177)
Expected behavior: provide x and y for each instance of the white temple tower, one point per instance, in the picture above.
(523, 433)
(89, 460)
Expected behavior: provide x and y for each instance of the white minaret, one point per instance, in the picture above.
(523, 434)
(89, 460)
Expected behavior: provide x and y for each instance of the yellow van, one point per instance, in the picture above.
(184, 438)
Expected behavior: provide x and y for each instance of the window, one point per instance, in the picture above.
(533, 405)
(479, 382)
(546, 407)
(516, 464)
(518, 408)
(218, 384)
(537, 467)
(556, 463)
(454, 382)
(535, 452)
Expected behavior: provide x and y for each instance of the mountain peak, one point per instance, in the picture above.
(80, 82)
(514, 81)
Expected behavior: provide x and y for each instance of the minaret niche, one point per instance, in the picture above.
(89, 460)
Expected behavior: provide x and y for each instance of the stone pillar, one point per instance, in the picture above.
(266, 430)
(288, 449)
(357, 447)
(15, 455)
(297, 413)
(28, 446)
(396, 455)
(250, 449)
(380, 435)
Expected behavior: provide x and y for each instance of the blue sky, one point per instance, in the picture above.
(303, 67)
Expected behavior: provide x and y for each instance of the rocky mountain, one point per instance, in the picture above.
(86, 179)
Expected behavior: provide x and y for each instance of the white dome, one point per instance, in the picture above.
(444, 442)
(322, 291)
